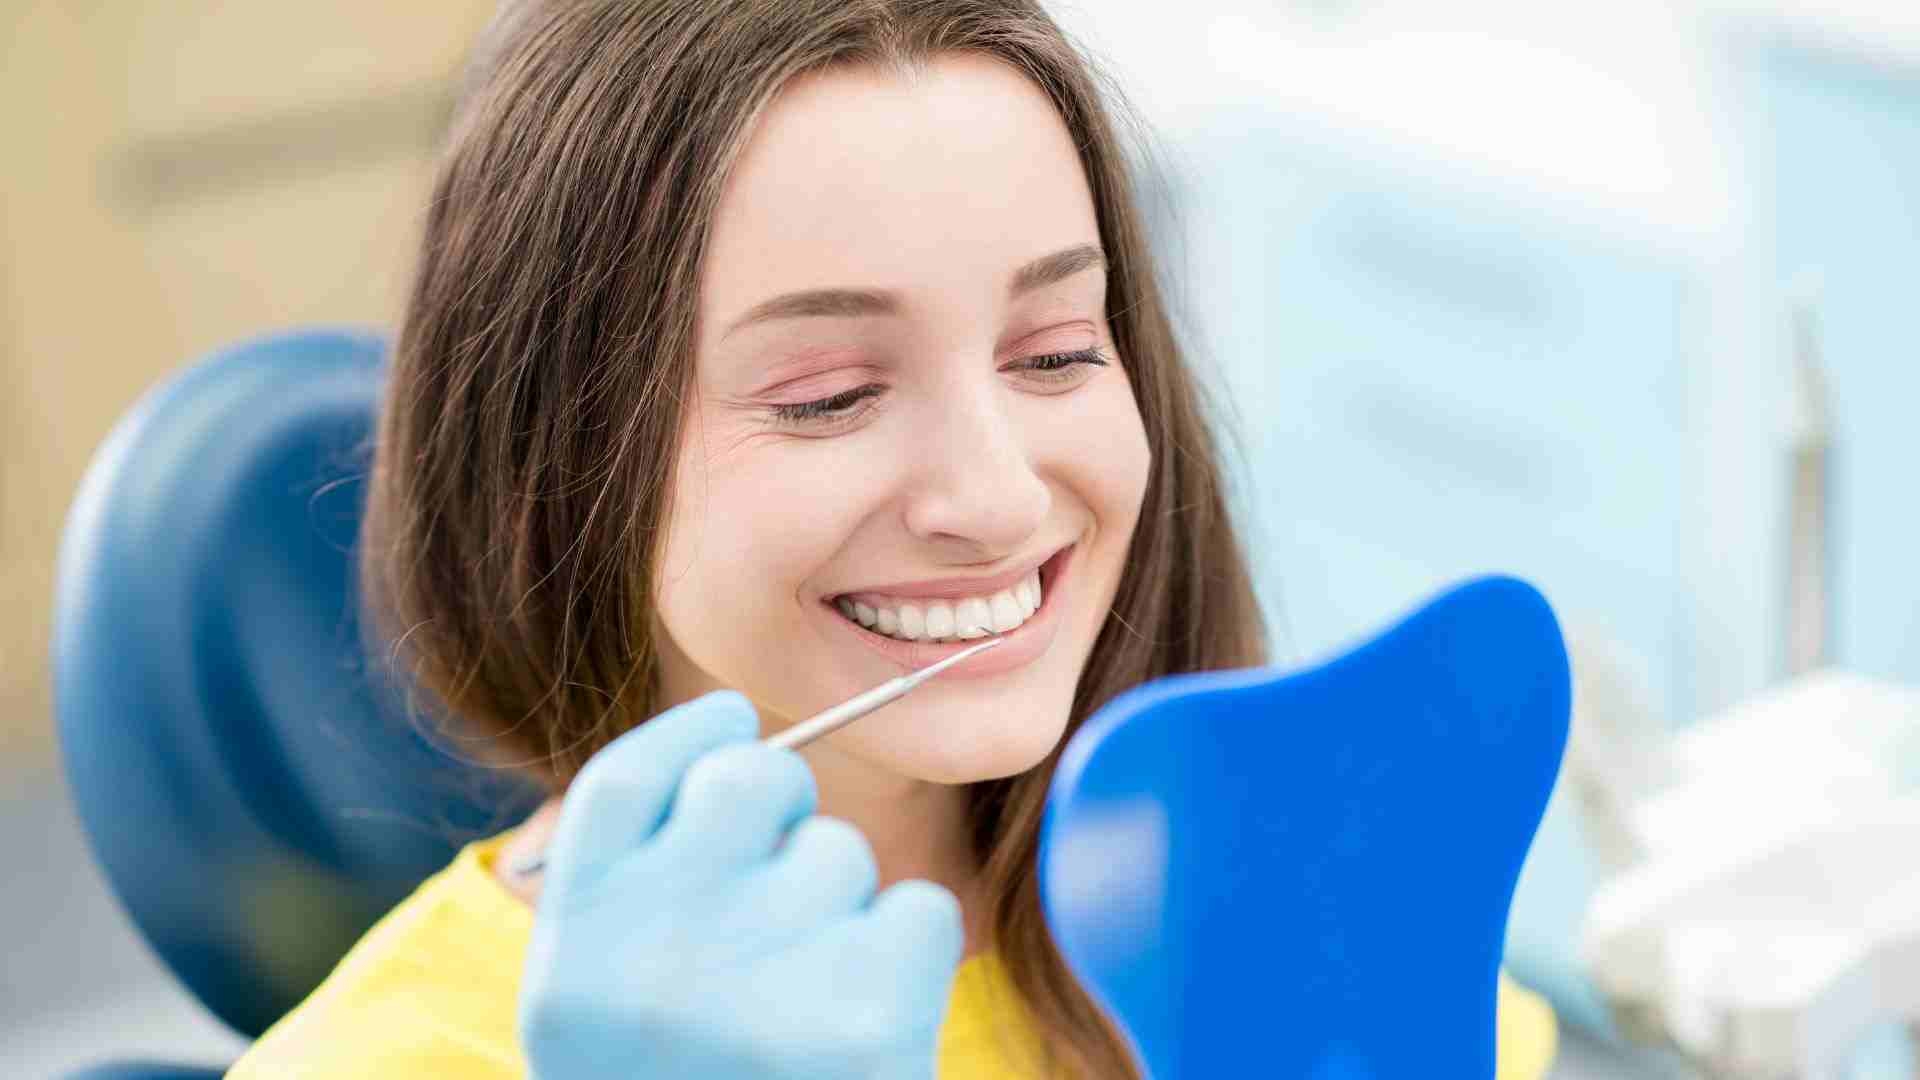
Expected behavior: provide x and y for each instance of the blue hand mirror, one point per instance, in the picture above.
(1308, 873)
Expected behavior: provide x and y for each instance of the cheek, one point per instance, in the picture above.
(1110, 457)
(752, 524)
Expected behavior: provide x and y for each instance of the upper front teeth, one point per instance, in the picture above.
(946, 620)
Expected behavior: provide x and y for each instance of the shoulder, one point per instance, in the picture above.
(1527, 1034)
(987, 1033)
(430, 990)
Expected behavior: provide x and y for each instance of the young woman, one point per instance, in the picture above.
(777, 346)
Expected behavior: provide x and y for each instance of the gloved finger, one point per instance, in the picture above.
(622, 795)
(735, 804)
(914, 933)
(823, 874)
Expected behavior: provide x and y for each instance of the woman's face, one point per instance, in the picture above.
(917, 448)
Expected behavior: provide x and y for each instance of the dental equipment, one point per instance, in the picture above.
(1809, 546)
(832, 720)
(860, 705)
(1770, 922)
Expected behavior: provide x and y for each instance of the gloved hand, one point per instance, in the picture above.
(676, 936)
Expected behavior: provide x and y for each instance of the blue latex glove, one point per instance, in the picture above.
(677, 936)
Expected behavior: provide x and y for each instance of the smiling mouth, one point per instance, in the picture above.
(952, 620)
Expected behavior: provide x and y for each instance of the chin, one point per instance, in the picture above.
(940, 749)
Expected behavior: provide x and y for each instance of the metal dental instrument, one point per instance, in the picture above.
(856, 707)
(833, 719)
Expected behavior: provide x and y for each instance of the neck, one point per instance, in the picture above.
(918, 829)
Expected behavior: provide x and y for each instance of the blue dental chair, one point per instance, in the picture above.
(258, 792)
(246, 770)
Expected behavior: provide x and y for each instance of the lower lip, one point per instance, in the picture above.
(1017, 647)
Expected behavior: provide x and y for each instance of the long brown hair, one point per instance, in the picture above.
(524, 450)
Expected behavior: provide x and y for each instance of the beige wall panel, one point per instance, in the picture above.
(179, 176)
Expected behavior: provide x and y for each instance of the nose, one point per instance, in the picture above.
(976, 489)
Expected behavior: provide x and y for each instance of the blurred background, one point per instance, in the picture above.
(1619, 299)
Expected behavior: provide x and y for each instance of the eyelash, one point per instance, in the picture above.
(832, 408)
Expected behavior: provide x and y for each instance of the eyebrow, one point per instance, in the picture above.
(853, 303)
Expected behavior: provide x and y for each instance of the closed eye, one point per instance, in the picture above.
(1057, 367)
(828, 408)
(1051, 368)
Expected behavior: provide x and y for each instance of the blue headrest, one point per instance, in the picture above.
(245, 769)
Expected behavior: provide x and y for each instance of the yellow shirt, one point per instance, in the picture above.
(433, 991)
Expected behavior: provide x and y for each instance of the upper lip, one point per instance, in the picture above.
(950, 588)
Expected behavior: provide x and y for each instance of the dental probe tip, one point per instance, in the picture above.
(859, 705)
(939, 666)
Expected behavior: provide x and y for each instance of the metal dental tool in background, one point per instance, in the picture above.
(831, 720)
(1809, 571)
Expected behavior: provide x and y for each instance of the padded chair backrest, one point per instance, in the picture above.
(245, 769)
(1311, 871)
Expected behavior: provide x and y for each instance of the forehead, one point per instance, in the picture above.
(934, 187)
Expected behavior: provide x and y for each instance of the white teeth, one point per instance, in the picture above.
(939, 620)
(949, 620)
(913, 625)
(1029, 592)
(1007, 612)
(972, 618)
